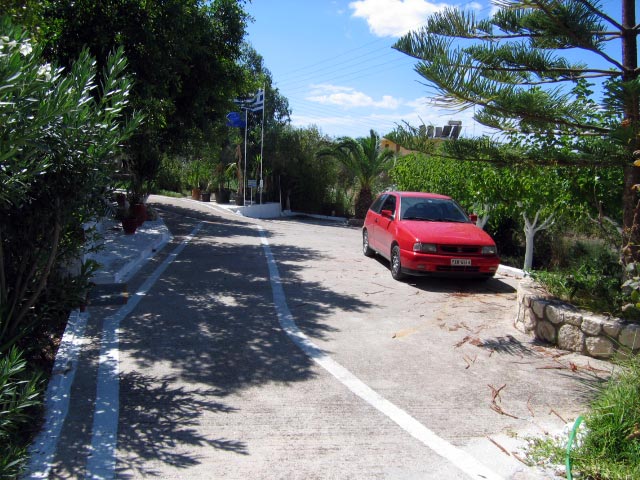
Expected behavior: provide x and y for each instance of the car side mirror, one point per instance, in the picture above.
(473, 217)
(386, 213)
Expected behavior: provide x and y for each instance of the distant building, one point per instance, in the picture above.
(390, 145)
(451, 131)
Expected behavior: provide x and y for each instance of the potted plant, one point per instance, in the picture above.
(142, 166)
(128, 218)
(195, 176)
(224, 174)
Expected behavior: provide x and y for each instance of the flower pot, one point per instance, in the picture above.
(129, 225)
(140, 212)
(223, 196)
(195, 194)
(205, 196)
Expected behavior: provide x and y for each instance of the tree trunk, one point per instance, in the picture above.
(530, 230)
(364, 200)
(631, 232)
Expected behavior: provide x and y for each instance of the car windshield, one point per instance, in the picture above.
(431, 209)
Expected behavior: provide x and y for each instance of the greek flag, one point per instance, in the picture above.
(254, 104)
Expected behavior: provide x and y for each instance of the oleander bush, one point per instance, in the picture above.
(20, 393)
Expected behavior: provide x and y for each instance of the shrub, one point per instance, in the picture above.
(591, 278)
(611, 448)
(60, 134)
(19, 393)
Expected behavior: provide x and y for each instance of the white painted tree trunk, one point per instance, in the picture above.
(530, 230)
(482, 220)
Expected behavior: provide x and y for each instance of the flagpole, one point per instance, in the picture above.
(244, 178)
(264, 106)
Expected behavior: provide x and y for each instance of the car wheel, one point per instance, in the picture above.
(366, 249)
(396, 266)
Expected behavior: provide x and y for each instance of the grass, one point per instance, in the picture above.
(610, 449)
(169, 193)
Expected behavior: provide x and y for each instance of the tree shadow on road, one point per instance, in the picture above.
(164, 423)
(210, 322)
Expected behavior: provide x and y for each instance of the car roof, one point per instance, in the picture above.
(420, 195)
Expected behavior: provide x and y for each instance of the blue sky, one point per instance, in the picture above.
(333, 61)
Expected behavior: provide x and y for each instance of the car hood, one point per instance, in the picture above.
(447, 233)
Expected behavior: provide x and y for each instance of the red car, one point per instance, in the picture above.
(426, 233)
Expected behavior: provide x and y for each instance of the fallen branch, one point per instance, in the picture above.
(495, 395)
(495, 392)
(470, 361)
(529, 406)
(496, 408)
(499, 446)
(557, 415)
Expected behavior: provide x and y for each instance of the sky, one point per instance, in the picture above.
(333, 61)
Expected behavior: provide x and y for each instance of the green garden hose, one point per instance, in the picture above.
(572, 437)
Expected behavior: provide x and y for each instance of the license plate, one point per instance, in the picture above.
(461, 262)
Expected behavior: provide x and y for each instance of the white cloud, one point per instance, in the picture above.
(415, 112)
(393, 18)
(348, 97)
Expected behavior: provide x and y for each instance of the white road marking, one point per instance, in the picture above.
(57, 397)
(457, 457)
(102, 457)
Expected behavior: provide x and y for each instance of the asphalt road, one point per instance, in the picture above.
(273, 349)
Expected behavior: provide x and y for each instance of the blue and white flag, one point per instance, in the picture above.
(258, 102)
(235, 120)
(254, 104)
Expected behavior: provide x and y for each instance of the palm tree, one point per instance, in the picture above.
(366, 160)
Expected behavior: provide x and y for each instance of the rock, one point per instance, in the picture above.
(538, 307)
(591, 325)
(599, 347)
(612, 328)
(562, 313)
(530, 321)
(630, 336)
(546, 331)
(571, 338)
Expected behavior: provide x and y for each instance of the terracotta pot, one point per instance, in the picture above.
(140, 212)
(129, 225)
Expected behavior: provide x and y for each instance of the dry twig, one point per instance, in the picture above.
(557, 415)
(499, 446)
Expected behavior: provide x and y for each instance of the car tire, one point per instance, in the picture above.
(366, 249)
(396, 265)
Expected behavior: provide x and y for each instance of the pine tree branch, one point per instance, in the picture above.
(600, 14)
(542, 6)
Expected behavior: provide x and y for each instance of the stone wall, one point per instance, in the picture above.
(561, 324)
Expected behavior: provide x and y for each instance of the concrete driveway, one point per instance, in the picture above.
(275, 349)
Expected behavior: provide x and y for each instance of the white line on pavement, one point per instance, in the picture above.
(457, 457)
(102, 457)
(57, 397)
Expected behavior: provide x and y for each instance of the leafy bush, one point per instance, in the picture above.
(591, 278)
(19, 394)
(60, 134)
(611, 448)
